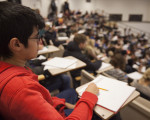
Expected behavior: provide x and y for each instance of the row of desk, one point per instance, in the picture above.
(102, 112)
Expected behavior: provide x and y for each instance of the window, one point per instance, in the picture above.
(88, 0)
(133, 17)
(115, 17)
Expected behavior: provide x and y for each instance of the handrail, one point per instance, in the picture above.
(134, 29)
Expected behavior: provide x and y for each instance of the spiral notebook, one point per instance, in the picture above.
(115, 96)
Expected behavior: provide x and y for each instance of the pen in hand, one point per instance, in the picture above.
(102, 89)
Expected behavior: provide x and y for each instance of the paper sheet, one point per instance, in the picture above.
(59, 62)
(118, 92)
(104, 66)
(135, 75)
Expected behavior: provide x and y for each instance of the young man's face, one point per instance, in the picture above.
(82, 45)
(33, 44)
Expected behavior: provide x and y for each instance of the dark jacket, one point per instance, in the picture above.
(73, 50)
(52, 36)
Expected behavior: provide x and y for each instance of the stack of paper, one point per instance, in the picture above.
(58, 62)
(135, 75)
(41, 57)
(115, 96)
(103, 57)
(81, 31)
(62, 38)
(43, 50)
(105, 66)
(143, 69)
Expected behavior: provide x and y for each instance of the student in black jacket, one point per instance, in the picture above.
(74, 48)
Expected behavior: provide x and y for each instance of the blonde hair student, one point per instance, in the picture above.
(143, 85)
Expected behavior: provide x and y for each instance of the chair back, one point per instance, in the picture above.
(139, 109)
(86, 77)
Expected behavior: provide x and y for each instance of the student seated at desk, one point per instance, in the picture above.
(143, 85)
(51, 34)
(21, 95)
(90, 49)
(74, 49)
(119, 61)
(60, 82)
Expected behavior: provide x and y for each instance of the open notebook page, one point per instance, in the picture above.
(118, 92)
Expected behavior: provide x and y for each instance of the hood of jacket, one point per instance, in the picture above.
(8, 71)
(73, 46)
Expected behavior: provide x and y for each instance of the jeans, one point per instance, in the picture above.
(61, 82)
(70, 96)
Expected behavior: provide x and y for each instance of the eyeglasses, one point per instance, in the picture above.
(36, 38)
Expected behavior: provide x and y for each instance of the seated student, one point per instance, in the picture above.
(119, 61)
(51, 34)
(21, 95)
(60, 82)
(90, 49)
(143, 85)
(75, 48)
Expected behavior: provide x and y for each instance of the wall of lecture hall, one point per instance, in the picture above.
(149, 14)
(124, 7)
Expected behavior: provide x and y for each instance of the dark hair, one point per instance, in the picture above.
(16, 21)
(80, 38)
(118, 61)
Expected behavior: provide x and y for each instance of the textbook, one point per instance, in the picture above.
(114, 95)
(59, 62)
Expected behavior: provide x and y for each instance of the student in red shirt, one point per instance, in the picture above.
(21, 96)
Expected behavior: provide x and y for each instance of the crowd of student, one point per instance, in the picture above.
(127, 51)
(21, 95)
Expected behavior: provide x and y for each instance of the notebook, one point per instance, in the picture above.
(59, 62)
(118, 92)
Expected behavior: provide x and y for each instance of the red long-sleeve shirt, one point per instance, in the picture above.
(23, 98)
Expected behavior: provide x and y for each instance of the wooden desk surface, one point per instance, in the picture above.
(51, 49)
(79, 64)
(106, 114)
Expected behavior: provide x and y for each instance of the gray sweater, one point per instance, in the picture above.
(143, 89)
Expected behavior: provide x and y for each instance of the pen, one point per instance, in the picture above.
(103, 89)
